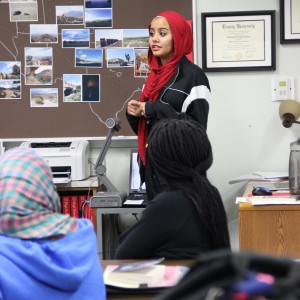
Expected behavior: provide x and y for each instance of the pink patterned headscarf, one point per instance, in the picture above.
(30, 207)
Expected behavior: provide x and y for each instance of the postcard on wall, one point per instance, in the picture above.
(75, 38)
(108, 38)
(135, 38)
(43, 33)
(119, 57)
(10, 80)
(38, 65)
(69, 14)
(98, 3)
(23, 11)
(72, 87)
(141, 66)
(44, 97)
(91, 88)
(89, 58)
(98, 17)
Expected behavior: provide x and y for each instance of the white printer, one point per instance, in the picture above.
(68, 160)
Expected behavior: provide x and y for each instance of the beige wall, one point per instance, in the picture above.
(244, 126)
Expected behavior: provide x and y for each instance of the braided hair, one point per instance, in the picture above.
(179, 153)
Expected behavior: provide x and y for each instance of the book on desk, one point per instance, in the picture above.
(278, 196)
(143, 275)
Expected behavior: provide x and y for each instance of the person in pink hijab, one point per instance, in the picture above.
(175, 87)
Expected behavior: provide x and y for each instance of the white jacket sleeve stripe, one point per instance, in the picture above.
(197, 92)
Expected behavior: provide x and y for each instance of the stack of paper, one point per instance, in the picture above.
(261, 176)
(269, 200)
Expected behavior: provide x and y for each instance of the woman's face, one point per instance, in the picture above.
(161, 39)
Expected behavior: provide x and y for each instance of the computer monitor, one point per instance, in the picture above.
(135, 178)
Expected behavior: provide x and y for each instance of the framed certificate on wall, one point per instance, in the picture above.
(289, 21)
(238, 41)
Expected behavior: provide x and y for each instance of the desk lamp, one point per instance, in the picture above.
(289, 112)
(111, 198)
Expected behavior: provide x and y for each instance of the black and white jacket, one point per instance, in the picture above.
(186, 95)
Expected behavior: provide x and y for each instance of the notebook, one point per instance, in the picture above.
(137, 192)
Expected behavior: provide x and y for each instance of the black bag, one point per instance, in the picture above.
(224, 275)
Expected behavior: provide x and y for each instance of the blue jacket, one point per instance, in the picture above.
(66, 268)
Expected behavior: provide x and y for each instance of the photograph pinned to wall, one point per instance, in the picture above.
(10, 80)
(289, 21)
(238, 41)
(108, 38)
(75, 38)
(69, 14)
(72, 87)
(141, 66)
(23, 11)
(135, 38)
(38, 65)
(89, 58)
(119, 57)
(98, 3)
(98, 17)
(43, 97)
(91, 88)
(43, 33)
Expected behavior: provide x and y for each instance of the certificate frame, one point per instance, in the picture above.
(238, 41)
(289, 21)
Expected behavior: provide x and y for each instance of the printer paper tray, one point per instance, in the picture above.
(61, 180)
(61, 177)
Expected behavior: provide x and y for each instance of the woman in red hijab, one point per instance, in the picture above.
(175, 87)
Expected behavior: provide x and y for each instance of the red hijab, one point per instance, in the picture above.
(160, 75)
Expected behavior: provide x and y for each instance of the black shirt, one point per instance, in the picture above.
(169, 227)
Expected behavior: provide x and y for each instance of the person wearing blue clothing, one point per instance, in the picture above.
(44, 254)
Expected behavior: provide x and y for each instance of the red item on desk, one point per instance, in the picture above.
(275, 194)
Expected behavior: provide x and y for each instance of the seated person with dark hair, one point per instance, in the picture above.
(44, 254)
(187, 215)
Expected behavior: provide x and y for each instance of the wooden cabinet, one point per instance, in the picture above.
(271, 229)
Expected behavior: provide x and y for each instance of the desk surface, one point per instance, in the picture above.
(274, 207)
(104, 263)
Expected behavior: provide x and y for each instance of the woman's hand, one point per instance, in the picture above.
(136, 108)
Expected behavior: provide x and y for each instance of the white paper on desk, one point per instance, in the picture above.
(262, 200)
(133, 202)
(260, 176)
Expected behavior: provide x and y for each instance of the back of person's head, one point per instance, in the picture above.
(179, 153)
(30, 207)
(178, 148)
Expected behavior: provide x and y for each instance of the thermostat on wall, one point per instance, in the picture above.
(283, 88)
